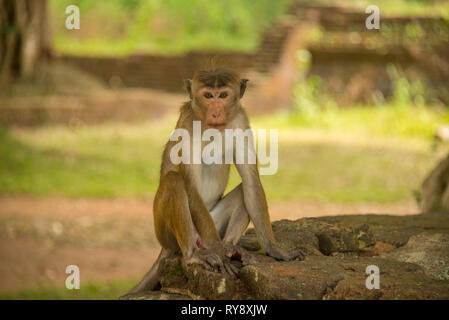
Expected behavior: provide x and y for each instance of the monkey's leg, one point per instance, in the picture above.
(174, 226)
(230, 216)
(172, 222)
(163, 203)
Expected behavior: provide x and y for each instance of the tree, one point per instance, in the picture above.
(24, 37)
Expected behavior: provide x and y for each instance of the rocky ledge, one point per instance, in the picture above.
(411, 252)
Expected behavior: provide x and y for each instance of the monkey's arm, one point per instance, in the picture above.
(256, 205)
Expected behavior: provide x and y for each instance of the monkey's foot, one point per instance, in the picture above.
(280, 254)
(234, 252)
(211, 261)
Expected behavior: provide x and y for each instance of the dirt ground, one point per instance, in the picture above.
(108, 239)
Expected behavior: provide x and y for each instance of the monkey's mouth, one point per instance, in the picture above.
(216, 125)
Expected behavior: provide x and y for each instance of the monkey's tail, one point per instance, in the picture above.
(151, 279)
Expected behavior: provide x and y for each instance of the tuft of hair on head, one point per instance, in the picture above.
(217, 77)
(213, 63)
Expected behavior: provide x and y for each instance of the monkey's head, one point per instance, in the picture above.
(215, 96)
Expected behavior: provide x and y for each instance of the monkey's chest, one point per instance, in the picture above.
(214, 179)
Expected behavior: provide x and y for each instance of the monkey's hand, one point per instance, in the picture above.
(212, 259)
(238, 253)
(281, 254)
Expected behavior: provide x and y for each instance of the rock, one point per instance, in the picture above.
(307, 279)
(413, 264)
(289, 234)
(155, 295)
(196, 282)
(430, 251)
(378, 248)
(315, 237)
(394, 230)
(398, 280)
(344, 239)
(212, 285)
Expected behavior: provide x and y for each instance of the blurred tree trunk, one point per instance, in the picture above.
(24, 37)
(435, 189)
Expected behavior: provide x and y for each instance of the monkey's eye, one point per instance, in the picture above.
(223, 95)
(208, 95)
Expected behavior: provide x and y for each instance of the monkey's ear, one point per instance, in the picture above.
(188, 85)
(243, 87)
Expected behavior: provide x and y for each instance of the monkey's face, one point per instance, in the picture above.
(217, 105)
(215, 96)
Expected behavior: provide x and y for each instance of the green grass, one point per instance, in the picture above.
(110, 290)
(108, 160)
(347, 156)
(388, 121)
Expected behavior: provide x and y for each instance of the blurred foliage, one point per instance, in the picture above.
(413, 111)
(406, 92)
(122, 27)
(110, 290)
(396, 7)
(406, 115)
(163, 26)
(387, 120)
(390, 36)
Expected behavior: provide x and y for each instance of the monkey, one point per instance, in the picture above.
(191, 215)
